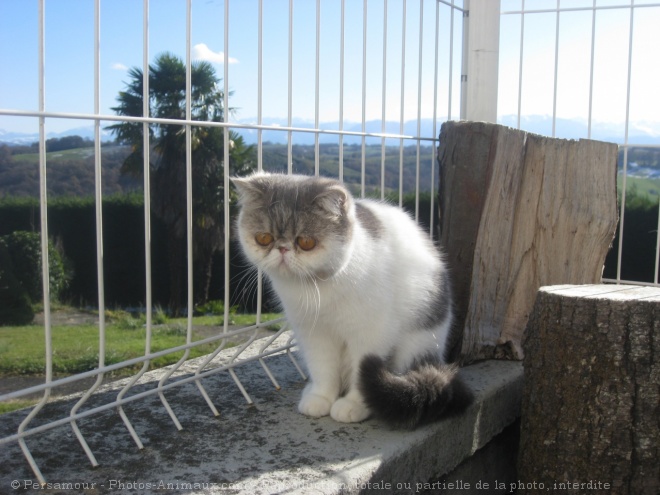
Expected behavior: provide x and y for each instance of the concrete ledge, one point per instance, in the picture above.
(263, 448)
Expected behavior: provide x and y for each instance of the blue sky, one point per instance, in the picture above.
(70, 58)
(610, 61)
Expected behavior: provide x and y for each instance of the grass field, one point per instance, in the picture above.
(55, 156)
(75, 347)
(642, 186)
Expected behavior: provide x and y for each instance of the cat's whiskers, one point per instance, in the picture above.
(247, 284)
(309, 297)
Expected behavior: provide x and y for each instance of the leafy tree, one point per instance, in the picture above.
(167, 90)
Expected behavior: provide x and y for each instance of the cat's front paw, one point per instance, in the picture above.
(347, 410)
(314, 405)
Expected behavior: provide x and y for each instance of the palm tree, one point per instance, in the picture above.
(167, 90)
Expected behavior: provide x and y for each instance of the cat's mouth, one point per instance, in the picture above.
(283, 264)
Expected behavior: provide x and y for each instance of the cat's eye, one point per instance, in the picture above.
(263, 238)
(306, 243)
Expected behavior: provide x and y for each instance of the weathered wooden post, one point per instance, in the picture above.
(591, 399)
(519, 211)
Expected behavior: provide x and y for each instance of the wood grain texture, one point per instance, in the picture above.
(519, 211)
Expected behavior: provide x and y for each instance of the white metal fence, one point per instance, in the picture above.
(419, 44)
(415, 42)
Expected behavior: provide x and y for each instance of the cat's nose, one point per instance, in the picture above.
(283, 249)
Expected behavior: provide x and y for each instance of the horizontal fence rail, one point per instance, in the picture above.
(405, 38)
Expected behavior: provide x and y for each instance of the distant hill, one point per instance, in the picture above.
(71, 172)
(24, 139)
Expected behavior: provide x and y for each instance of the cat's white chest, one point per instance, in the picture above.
(341, 309)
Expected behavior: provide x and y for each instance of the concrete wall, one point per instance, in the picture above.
(268, 447)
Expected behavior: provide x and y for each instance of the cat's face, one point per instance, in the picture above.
(295, 226)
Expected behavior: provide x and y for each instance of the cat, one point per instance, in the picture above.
(366, 293)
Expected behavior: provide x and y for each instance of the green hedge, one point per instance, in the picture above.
(21, 276)
(640, 230)
(24, 248)
(72, 226)
(15, 305)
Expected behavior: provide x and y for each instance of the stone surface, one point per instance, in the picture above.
(262, 448)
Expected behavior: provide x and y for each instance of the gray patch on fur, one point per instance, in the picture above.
(369, 221)
(440, 304)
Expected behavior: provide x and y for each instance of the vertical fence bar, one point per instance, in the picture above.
(290, 92)
(316, 88)
(189, 174)
(146, 176)
(384, 104)
(260, 144)
(591, 69)
(520, 63)
(464, 60)
(556, 75)
(482, 49)
(146, 152)
(341, 89)
(188, 165)
(225, 165)
(364, 99)
(451, 56)
(625, 149)
(99, 232)
(434, 146)
(146, 168)
(189, 218)
(402, 100)
(260, 85)
(45, 278)
(419, 106)
(227, 220)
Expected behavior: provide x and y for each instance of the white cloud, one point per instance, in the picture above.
(118, 66)
(202, 52)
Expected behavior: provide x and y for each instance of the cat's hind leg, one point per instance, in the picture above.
(350, 408)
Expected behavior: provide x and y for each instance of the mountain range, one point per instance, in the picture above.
(641, 133)
(26, 139)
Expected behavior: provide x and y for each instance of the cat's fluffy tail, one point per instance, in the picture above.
(426, 393)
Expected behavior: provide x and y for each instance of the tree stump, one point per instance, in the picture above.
(518, 211)
(591, 391)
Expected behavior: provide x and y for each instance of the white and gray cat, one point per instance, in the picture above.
(367, 295)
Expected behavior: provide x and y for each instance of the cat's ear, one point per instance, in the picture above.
(248, 188)
(335, 200)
